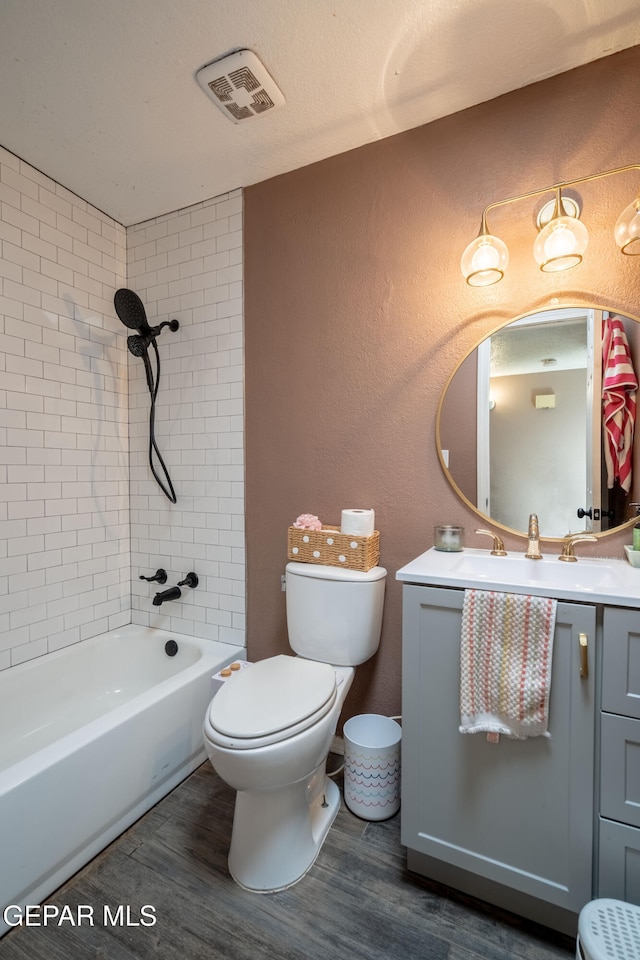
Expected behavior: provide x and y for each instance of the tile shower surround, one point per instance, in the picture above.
(188, 265)
(79, 516)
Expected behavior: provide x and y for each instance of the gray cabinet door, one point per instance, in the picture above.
(517, 812)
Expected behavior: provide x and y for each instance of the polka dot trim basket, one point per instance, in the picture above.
(335, 549)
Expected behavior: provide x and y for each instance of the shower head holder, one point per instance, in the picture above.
(139, 343)
(131, 312)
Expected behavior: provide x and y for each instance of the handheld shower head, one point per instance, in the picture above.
(138, 345)
(131, 312)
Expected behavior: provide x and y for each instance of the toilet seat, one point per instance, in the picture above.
(272, 701)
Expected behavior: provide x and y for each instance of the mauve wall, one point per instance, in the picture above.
(356, 312)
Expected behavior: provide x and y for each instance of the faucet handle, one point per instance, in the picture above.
(160, 576)
(569, 543)
(191, 580)
(498, 545)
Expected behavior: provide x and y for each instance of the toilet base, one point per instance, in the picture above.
(277, 834)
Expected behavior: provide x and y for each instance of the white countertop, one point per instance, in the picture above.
(590, 580)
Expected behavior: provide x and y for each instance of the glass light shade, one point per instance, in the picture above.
(561, 244)
(484, 261)
(627, 229)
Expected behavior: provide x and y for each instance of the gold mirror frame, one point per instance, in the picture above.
(483, 516)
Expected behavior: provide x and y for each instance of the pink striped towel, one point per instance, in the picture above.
(619, 386)
(506, 652)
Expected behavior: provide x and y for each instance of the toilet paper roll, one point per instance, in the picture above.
(358, 523)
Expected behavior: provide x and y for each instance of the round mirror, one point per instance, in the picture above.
(539, 417)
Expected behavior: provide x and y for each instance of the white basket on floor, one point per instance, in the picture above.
(608, 930)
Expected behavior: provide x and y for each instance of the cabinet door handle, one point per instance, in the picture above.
(584, 656)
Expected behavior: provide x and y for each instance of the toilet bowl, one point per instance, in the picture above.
(268, 730)
(285, 803)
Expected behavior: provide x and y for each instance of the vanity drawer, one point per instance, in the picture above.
(620, 769)
(621, 662)
(618, 862)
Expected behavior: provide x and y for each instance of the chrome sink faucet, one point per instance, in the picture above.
(533, 550)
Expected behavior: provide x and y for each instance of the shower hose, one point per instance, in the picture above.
(153, 384)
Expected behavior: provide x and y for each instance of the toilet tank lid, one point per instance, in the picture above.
(325, 572)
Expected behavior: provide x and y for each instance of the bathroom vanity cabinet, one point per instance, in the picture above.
(618, 873)
(538, 826)
(510, 822)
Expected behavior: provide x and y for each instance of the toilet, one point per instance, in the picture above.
(269, 729)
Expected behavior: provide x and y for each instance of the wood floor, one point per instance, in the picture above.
(357, 901)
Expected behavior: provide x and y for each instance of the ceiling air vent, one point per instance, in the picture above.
(241, 86)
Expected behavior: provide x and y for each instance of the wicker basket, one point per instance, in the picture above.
(335, 549)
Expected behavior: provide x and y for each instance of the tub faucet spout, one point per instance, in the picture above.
(533, 550)
(173, 593)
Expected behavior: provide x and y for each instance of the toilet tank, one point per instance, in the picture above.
(334, 615)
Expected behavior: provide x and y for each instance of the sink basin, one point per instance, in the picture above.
(584, 574)
(598, 580)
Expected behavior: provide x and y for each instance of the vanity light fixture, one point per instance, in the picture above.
(627, 228)
(562, 238)
(561, 243)
(485, 259)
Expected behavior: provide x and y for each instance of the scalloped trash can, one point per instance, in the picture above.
(372, 766)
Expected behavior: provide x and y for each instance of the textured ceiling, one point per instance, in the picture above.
(102, 97)
(552, 346)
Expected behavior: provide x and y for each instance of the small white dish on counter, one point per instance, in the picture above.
(633, 556)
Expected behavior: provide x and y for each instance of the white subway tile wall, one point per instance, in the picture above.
(81, 516)
(188, 266)
(64, 492)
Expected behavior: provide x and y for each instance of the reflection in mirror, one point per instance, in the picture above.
(521, 424)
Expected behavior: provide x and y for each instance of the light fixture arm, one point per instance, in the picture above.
(555, 187)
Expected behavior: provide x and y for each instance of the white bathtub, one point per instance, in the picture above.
(90, 738)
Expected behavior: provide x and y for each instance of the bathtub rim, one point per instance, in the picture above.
(213, 653)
